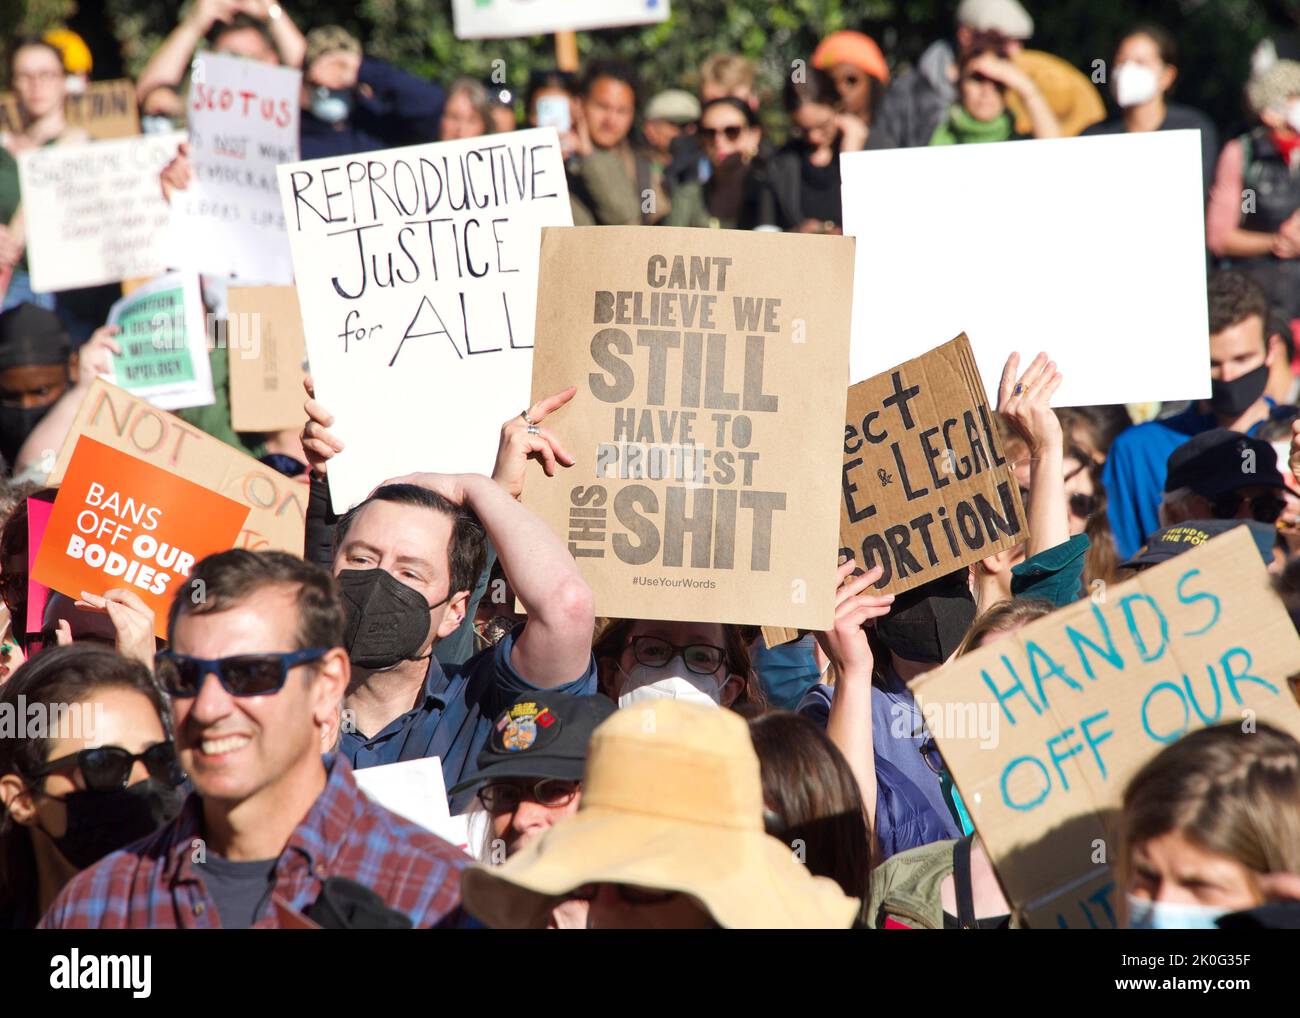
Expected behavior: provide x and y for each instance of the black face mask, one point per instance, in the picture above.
(16, 423)
(387, 622)
(929, 630)
(103, 822)
(1232, 399)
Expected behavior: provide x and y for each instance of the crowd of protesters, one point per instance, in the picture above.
(244, 727)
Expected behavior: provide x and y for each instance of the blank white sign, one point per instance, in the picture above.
(1092, 249)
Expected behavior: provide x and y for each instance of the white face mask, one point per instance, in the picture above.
(1144, 914)
(671, 682)
(1134, 84)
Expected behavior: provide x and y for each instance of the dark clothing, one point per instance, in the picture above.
(728, 200)
(454, 715)
(608, 188)
(795, 190)
(1177, 118)
(1275, 186)
(240, 890)
(401, 110)
(916, 103)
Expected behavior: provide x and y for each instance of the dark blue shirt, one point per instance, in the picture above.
(455, 715)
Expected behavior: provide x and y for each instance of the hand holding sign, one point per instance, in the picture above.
(95, 358)
(318, 441)
(133, 621)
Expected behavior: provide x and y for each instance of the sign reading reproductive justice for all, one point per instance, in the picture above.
(121, 522)
(706, 428)
(416, 271)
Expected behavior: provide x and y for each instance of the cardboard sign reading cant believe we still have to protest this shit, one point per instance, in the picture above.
(706, 427)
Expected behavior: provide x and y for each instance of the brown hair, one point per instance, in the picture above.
(613, 635)
(1232, 792)
(729, 71)
(1002, 617)
(810, 787)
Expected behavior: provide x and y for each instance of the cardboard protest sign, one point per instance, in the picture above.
(505, 19)
(164, 356)
(1039, 248)
(113, 417)
(242, 121)
(106, 109)
(121, 522)
(926, 488)
(1043, 729)
(268, 355)
(707, 420)
(95, 213)
(416, 271)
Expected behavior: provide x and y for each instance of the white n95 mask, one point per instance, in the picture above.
(1134, 84)
(644, 683)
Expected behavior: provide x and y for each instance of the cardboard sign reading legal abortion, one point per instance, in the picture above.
(1043, 729)
(506, 19)
(416, 271)
(243, 122)
(711, 382)
(164, 356)
(121, 522)
(926, 488)
(268, 356)
(95, 213)
(277, 505)
(106, 109)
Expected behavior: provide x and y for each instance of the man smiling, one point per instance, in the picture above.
(255, 669)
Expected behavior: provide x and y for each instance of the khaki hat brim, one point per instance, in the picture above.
(744, 878)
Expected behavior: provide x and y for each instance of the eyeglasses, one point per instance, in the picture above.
(108, 768)
(710, 134)
(931, 755)
(1263, 508)
(629, 894)
(241, 675)
(41, 77)
(700, 658)
(505, 796)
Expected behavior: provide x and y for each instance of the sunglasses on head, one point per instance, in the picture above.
(731, 132)
(240, 675)
(108, 768)
(1263, 508)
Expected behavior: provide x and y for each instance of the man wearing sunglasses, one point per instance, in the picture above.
(255, 671)
(1222, 475)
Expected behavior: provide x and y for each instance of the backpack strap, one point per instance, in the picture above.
(962, 884)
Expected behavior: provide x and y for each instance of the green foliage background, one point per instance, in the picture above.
(1216, 36)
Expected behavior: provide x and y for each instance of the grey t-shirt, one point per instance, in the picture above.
(241, 890)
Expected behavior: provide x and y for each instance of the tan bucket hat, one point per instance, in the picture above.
(671, 800)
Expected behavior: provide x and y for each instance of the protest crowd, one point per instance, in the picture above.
(278, 597)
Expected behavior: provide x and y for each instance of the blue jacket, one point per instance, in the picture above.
(400, 110)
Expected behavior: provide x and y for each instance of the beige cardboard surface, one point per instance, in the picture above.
(710, 368)
(927, 489)
(775, 636)
(118, 419)
(267, 353)
(1043, 729)
(107, 109)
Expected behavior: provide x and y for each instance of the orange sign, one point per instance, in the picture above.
(121, 522)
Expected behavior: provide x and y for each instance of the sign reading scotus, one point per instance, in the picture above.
(416, 271)
(706, 427)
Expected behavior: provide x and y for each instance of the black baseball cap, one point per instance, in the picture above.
(1218, 461)
(1167, 542)
(542, 734)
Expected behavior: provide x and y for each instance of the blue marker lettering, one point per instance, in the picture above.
(1203, 596)
(1092, 742)
(1036, 653)
(1111, 655)
(1126, 605)
(1146, 721)
(1243, 675)
(1004, 695)
(1006, 776)
(1058, 760)
(1218, 697)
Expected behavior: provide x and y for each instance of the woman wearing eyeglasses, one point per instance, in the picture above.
(730, 135)
(980, 113)
(700, 662)
(97, 772)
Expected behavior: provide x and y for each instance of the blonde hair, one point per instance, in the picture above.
(729, 71)
(1273, 87)
(1229, 791)
(1001, 618)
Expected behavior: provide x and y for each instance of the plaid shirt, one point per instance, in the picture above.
(156, 883)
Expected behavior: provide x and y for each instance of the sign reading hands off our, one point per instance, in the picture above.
(1043, 729)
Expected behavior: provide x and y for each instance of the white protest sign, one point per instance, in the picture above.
(243, 122)
(95, 213)
(414, 789)
(505, 19)
(1092, 249)
(164, 356)
(416, 271)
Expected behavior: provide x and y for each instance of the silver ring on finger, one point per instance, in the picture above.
(533, 429)
(527, 420)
